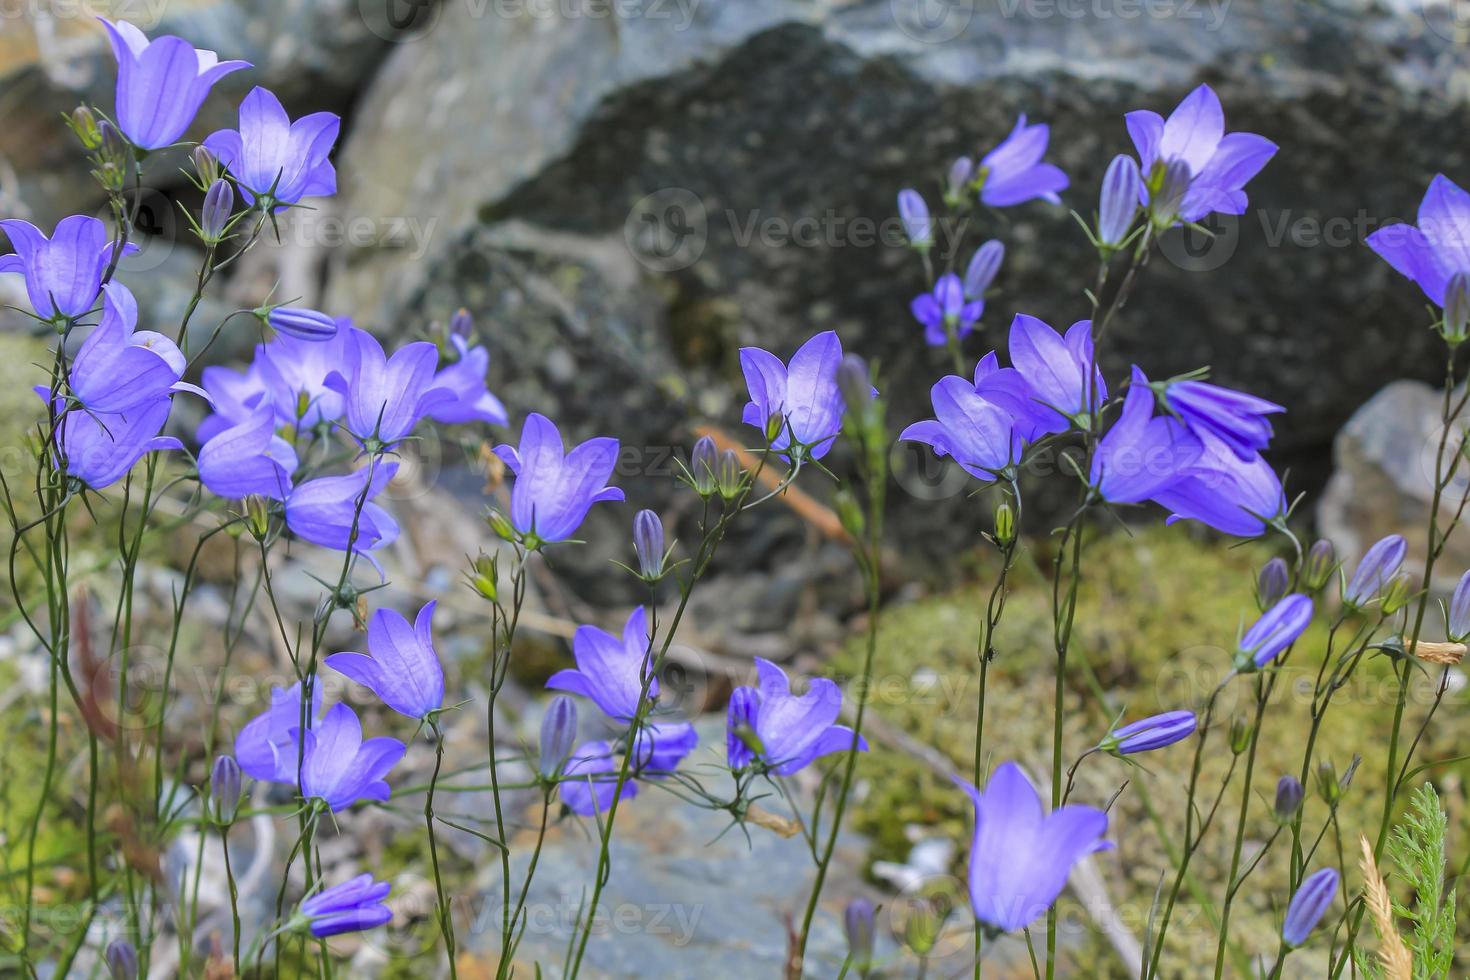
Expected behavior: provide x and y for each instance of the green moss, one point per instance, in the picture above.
(1158, 615)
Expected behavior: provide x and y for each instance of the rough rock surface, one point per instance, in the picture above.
(624, 201)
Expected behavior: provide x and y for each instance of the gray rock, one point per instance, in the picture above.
(570, 154)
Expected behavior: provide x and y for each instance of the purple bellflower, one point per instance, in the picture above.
(340, 768)
(1142, 453)
(1312, 900)
(234, 395)
(1121, 188)
(99, 449)
(590, 779)
(1013, 173)
(1438, 248)
(661, 746)
(352, 906)
(558, 732)
(554, 489)
(266, 747)
(302, 323)
(401, 667)
(803, 395)
(1375, 569)
(1216, 166)
(1219, 489)
(293, 375)
(64, 272)
(1277, 629)
(161, 84)
(1150, 733)
(610, 668)
(276, 159)
(945, 312)
(1457, 616)
(248, 459)
(1020, 856)
(1238, 419)
(790, 730)
(321, 511)
(1046, 387)
(975, 431)
(385, 397)
(472, 401)
(118, 367)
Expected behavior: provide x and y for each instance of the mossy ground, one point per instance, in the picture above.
(1159, 611)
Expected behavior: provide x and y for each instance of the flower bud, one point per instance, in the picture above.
(84, 124)
(1321, 562)
(484, 576)
(558, 732)
(1456, 324)
(1272, 583)
(957, 183)
(122, 960)
(730, 475)
(1120, 194)
(1289, 795)
(110, 176)
(461, 324)
(206, 165)
(1171, 183)
(1457, 618)
(219, 201)
(1327, 785)
(981, 271)
(1154, 732)
(1375, 569)
(857, 921)
(1005, 524)
(302, 323)
(703, 463)
(1240, 734)
(501, 525)
(257, 516)
(856, 385)
(1312, 900)
(921, 931)
(224, 788)
(849, 513)
(916, 221)
(1397, 593)
(648, 544)
(114, 147)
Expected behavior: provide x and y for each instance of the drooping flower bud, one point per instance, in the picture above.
(461, 324)
(957, 183)
(302, 323)
(1457, 618)
(84, 124)
(703, 466)
(1456, 324)
(1374, 570)
(558, 733)
(981, 271)
(1119, 203)
(1272, 583)
(648, 544)
(122, 960)
(1321, 562)
(224, 788)
(916, 221)
(857, 921)
(219, 202)
(730, 474)
(1289, 796)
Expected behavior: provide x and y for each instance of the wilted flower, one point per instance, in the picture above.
(352, 906)
(224, 787)
(465, 378)
(122, 960)
(1433, 253)
(1150, 733)
(917, 224)
(1272, 582)
(100, 448)
(976, 432)
(1312, 899)
(1121, 189)
(1289, 796)
(119, 368)
(648, 544)
(1013, 173)
(301, 323)
(249, 458)
(64, 272)
(1020, 856)
(1375, 569)
(339, 767)
(274, 159)
(790, 730)
(803, 396)
(558, 732)
(554, 489)
(610, 669)
(1218, 165)
(1276, 630)
(944, 312)
(1142, 453)
(161, 84)
(400, 667)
